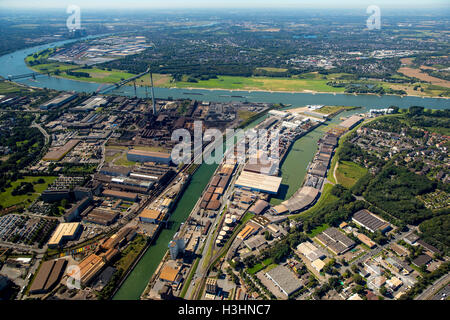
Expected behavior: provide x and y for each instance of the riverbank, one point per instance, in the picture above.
(229, 83)
(309, 91)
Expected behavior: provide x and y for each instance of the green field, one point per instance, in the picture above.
(120, 158)
(280, 70)
(100, 76)
(348, 173)
(123, 161)
(261, 83)
(258, 267)
(7, 87)
(51, 67)
(318, 230)
(129, 255)
(96, 74)
(244, 115)
(333, 109)
(309, 82)
(151, 148)
(8, 200)
(40, 55)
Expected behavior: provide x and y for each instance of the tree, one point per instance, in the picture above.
(312, 281)
(358, 279)
(359, 289)
(64, 203)
(334, 282)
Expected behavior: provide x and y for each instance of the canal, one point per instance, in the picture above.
(293, 168)
(137, 280)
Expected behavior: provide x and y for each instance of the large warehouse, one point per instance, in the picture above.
(56, 154)
(335, 241)
(48, 276)
(148, 156)
(58, 101)
(351, 122)
(284, 279)
(370, 221)
(258, 182)
(302, 199)
(64, 232)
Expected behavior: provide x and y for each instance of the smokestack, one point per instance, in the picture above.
(153, 94)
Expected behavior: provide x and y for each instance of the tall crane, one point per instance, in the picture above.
(153, 93)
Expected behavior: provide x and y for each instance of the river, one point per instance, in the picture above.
(14, 64)
(293, 168)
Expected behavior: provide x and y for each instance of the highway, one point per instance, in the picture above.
(433, 292)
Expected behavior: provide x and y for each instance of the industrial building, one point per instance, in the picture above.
(59, 153)
(284, 279)
(64, 232)
(176, 247)
(102, 217)
(91, 104)
(259, 207)
(258, 182)
(116, 171)
(369, 221)
(311, 251)
(257, 242)
(248, 230)
(74, 212)
(48, 276)
(366, 240)
(151, 216)
(148, 156)
(302, 199)
(335, 241)
(58, 101)
(125, 183)
(351, 122)
(120, 195)
(120, 238)
(211, 285)
(89, 268)
(271, 168)
(171, 273)
(318, 265)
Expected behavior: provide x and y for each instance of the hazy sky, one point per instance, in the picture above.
(133, 4)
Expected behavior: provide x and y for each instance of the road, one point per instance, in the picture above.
(379, 248)
(443, 294)
(202, 272)
(46, 135)
(431, 292)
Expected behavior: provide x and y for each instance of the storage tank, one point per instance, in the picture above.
(222, 233)
(234, 218)
(226, 229)
(228, 222)
(220, 238)
(218, 243)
